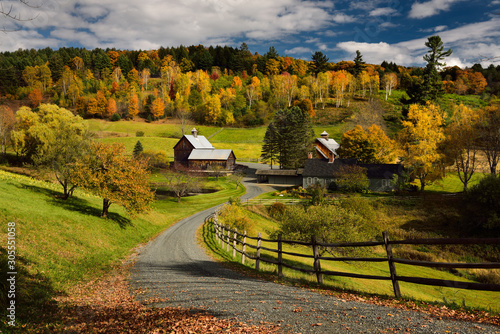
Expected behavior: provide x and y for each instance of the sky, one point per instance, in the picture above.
(391, 30)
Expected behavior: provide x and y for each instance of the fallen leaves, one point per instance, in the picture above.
(107, 306)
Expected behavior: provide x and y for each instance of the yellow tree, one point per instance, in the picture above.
(30, 75)
(66, 79)
(145, 74)
(462, 142)
(420, 139)
(227, 96)
(102, 102)
(117, 75)
(202, 84)
(390, 81)
(253, 90)
(92, 107)
(45, 76)
(133, 105)
(370, 147)
(158, 108)
(290, 86)
(273, 67)
(108, 173)
(213, 109)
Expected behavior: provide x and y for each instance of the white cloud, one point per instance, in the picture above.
(343, 18)
(298, 50)
(385, 11)
(470, 43)
(420, 10)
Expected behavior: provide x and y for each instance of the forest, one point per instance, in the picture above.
(219, 85)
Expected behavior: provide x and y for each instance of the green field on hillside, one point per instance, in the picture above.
(62, 242)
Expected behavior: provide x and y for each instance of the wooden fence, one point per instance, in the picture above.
(229, 238)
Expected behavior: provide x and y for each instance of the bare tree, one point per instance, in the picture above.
(181, 184)
(12, 13)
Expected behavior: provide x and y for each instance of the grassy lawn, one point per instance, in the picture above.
(60, 243)
(245, 142)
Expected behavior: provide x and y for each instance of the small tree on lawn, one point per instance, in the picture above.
(352, 179)
(108, 173)
(181, 184)
(138, 148)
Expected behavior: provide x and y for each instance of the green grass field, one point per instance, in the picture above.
(62, 242)
(245, 142)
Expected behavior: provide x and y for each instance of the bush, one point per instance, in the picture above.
(328, 223)
(352, 179)
(158, 159)
(139, 134)
(236, 216)
(116, 117)
(483, 201)
(276, 209)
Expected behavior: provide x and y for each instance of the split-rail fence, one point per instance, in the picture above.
(230, 238)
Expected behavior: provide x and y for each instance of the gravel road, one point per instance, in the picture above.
(175, 268)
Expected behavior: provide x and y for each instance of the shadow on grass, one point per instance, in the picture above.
(77, 204)
(33, 298)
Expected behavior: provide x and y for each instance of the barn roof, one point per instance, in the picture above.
(209, 154)
(329, 143)
(322, 168)
(199, 142)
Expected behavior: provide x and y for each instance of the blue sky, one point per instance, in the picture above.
(392, 30)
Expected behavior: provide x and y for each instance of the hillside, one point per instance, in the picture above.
(62, 243)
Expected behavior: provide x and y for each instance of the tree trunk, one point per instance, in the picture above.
(105, 207)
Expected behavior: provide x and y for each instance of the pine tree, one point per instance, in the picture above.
(138, 149)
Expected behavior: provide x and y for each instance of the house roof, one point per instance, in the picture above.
(322, 168)
(279, 172)
(209, 154)
(199, 142)
(329, 143)
(382, 171)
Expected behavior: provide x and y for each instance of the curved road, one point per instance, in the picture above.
(174, 268)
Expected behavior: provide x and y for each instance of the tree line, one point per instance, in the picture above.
(214, 85)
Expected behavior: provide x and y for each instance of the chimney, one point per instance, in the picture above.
(331, 157)
(324, 135)
(194, 132)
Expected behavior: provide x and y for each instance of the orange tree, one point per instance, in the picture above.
(108, 173)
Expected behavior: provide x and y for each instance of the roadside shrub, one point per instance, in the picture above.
(236, 216)
(360, 206)
(139, 134)
(328, 223)
(276, 209)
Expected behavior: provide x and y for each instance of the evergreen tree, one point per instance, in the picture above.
(138, 149)
(291, 138)
(319, 63)
(430, 86)
(359, 64)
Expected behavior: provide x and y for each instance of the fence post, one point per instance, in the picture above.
(227, 239)
(257, 260)
(234, 242)
(317, 263)
(392, 267)
(223, 232)
(244, 247)
(216, 229)
(280, 256)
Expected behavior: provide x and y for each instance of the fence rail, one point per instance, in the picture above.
(238, 242)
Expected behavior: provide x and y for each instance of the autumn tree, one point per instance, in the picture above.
(253, 90)
(158, 108)
(390, 81)
(35, 97)
(111, 107)
(108, 173)
(420, 139)
(462, 141)
(133, 105)
(370, 147)
(7, 122)
(213, 109)
(489, 135)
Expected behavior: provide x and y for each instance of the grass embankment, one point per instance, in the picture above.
(62, 242)
(403, 219)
